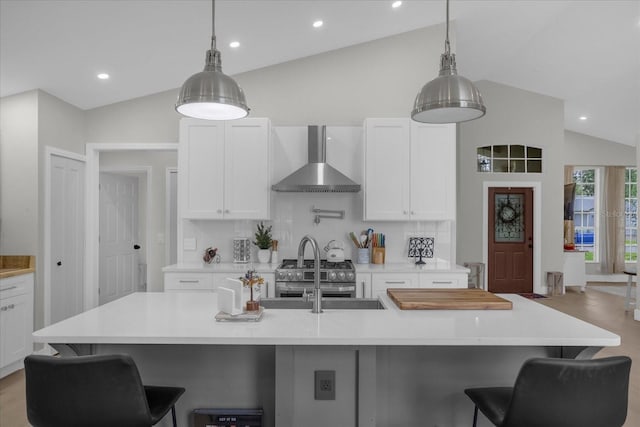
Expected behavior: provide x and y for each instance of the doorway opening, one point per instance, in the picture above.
(154, 240)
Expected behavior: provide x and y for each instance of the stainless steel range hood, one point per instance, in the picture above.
(317, 175)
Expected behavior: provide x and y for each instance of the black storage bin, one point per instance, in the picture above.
(227, 417)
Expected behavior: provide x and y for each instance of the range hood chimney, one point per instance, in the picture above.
(317, 175)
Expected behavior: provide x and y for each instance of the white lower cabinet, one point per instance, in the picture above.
(382, 281)
(210, 282)
(444, 280)
(188, 282)
(16, 321)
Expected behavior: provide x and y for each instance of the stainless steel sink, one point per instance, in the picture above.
(327, 303)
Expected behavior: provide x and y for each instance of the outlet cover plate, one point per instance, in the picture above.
(325, 385)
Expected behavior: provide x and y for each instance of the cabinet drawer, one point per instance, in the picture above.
(381, 282)
(444, 281)
(188, 282)
(16, 285)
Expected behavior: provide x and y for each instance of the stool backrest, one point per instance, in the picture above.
(570, 393)
(97, 391)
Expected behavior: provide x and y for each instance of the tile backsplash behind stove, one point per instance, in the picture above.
(292, 219)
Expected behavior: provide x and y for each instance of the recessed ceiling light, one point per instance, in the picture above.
(318, 24)
(103, 76)
(583, 118)
(396, 4)
(234, 44)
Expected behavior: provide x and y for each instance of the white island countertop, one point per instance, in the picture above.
(188, 318)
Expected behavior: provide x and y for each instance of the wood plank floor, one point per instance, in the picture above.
(601, 309)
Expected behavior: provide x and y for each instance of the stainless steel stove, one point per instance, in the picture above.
(337, 279)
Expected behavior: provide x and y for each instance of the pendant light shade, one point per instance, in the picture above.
(449, 98)
(211, 94)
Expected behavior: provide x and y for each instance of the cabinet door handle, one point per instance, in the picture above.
(8, 289)
(219, 210)
(413, 213)
(405, 212)
(59, 263)
(442, 282)
(189, 281)
(4, 308)
(11, 306)
(226, 211)
(398, 282)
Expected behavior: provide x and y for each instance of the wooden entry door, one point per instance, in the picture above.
(510, 268)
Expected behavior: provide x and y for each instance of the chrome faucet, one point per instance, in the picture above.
(317, 294)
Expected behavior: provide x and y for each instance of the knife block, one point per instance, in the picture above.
(377, 255)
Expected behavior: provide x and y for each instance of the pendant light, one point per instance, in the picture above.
(210, 94)
(449, 98)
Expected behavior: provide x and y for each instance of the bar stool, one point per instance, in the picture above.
(559, 393)
(97, 391)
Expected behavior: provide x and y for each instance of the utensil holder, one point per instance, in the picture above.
(377, 255)
(363, 255)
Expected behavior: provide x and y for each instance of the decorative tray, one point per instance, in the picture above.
(247, 316)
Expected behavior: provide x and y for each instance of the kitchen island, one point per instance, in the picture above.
(392, 367)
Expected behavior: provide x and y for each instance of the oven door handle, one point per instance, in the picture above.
(300, 288)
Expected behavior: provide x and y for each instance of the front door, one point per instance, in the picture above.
(510, 268)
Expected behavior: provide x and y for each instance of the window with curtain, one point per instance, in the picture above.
(585, 213)
(631, 215)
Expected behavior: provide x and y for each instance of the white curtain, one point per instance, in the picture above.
(612, 244)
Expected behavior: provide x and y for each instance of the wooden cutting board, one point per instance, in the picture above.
(447, 299)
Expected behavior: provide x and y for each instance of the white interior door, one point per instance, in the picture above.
(67, 237)
(118, 236)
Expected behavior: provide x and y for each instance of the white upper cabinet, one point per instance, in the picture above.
(410, 170)
(224, 169)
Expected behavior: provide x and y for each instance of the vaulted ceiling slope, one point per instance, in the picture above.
(584, 52)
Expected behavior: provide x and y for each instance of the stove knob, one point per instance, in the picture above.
(282, 275)
(290, 275)
(332, 275)
(299, 275)
(350, 276)
(341, 275)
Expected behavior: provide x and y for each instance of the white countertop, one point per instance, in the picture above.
(432, 266)
(188, 318)
(223, 267)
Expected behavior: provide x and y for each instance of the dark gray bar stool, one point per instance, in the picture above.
(559, 393)
(97, 391)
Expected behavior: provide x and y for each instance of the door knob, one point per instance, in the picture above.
(136, 247)
(59, 263)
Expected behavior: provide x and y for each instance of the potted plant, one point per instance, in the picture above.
(263, 241)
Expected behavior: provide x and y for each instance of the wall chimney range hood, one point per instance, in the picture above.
(317, 176)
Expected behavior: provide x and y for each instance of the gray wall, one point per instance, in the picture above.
(585, 150)
(19, 174)
(30, 122)
(513, 116)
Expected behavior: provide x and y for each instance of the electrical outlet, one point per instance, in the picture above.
(325, 385)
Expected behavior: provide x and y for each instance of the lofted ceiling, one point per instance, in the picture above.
(584, 52)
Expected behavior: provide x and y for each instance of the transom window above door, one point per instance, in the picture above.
(509, 159)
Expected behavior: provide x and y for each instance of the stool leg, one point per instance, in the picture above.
(627, 300)
(475, 416)
(173, 416)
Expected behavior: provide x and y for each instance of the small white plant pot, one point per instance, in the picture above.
(264, 255)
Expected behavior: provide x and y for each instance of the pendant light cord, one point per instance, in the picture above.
(447, 47)
(213, 25)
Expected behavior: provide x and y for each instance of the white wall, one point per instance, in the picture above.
(585, 150)
(154, 217)
(513, 116)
